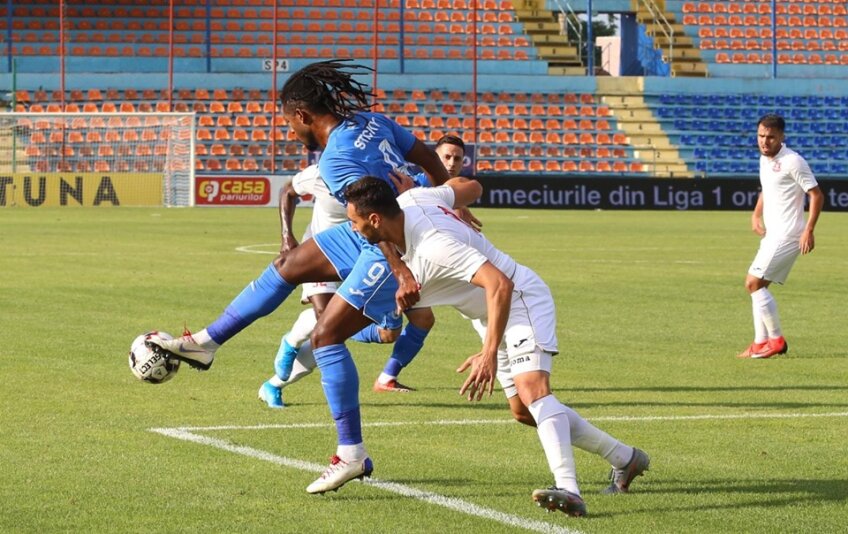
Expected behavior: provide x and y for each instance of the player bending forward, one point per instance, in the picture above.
(457, 266)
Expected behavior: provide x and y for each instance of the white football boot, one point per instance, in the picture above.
(186, 349)
(340, 473)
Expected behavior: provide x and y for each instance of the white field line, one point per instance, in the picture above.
(461, 422)
(256, 249)
(458, 505)
(251, 249)
(450, 503)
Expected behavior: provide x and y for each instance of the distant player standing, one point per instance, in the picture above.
(457, 266)
(778, 218)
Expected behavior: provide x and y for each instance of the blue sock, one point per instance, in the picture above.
(406, 348)
(369, 334)
(258, 299)
(341, 387)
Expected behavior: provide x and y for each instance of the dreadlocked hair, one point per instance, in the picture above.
(328, 87)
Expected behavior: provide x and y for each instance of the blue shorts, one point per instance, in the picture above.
(368, 283)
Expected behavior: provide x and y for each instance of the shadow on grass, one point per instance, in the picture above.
(764, 494)
(701, 389)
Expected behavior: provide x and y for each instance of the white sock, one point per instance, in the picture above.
(203, 339)
(552, 426)
(764, 300)
(351, 453)
(304, 364)
(760, 332)
(586, 436)
(385, 379)
(302, 328)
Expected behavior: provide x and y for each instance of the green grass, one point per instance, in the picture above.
(651, 311)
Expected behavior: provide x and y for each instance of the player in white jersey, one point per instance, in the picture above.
(457, 266)
(778, 218)
(326, 213)
(451, 152)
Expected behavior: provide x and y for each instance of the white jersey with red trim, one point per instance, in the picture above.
(785, 179)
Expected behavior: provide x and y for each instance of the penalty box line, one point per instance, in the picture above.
(450, 503)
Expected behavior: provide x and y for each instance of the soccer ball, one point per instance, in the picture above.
(149, 366)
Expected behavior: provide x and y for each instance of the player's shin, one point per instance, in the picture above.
(586, 436)
(407, 346)
(340, 380)
(259, 298)
(553, 429)
(369, 334)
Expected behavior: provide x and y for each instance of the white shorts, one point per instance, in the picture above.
(530, 338)
(317, 288)
(775, 259)
(512, 366)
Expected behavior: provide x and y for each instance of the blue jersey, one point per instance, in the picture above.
(364, 144)
(421, 180)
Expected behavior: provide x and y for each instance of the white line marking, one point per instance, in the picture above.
(510, 421)
(450, 503)
(251, 249)
(329, 425)
(721, 416)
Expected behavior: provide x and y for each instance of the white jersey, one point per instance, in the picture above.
(327, 211)
(442, 195)
(444, 253)
(785, 179)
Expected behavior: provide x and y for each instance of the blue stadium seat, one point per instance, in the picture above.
(670, 99)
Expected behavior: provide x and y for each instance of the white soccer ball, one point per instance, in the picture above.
(149, 366)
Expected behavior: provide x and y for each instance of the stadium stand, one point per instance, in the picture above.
(587, 133)
(807, 32)
(549, 130)
(715, 136)
(232, 29)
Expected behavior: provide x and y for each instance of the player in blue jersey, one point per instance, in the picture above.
(327, 108)
(293, 360)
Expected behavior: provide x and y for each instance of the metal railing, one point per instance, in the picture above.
(654, 153)
(571, 22)
(660, 20)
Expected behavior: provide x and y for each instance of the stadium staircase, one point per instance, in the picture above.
(645, 135)
(551, 43)
(678, 49)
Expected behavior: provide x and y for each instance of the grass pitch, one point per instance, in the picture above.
(651, 311)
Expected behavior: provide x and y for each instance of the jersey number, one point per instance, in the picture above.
(391, 157)
(372, 277)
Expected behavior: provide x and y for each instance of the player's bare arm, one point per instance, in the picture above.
(757, 218)
(288, 202)
(408, 292)
(402, 181)
(427, 159)
(808, 240)
(484, 365)
(423, 156)
(465, 191)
